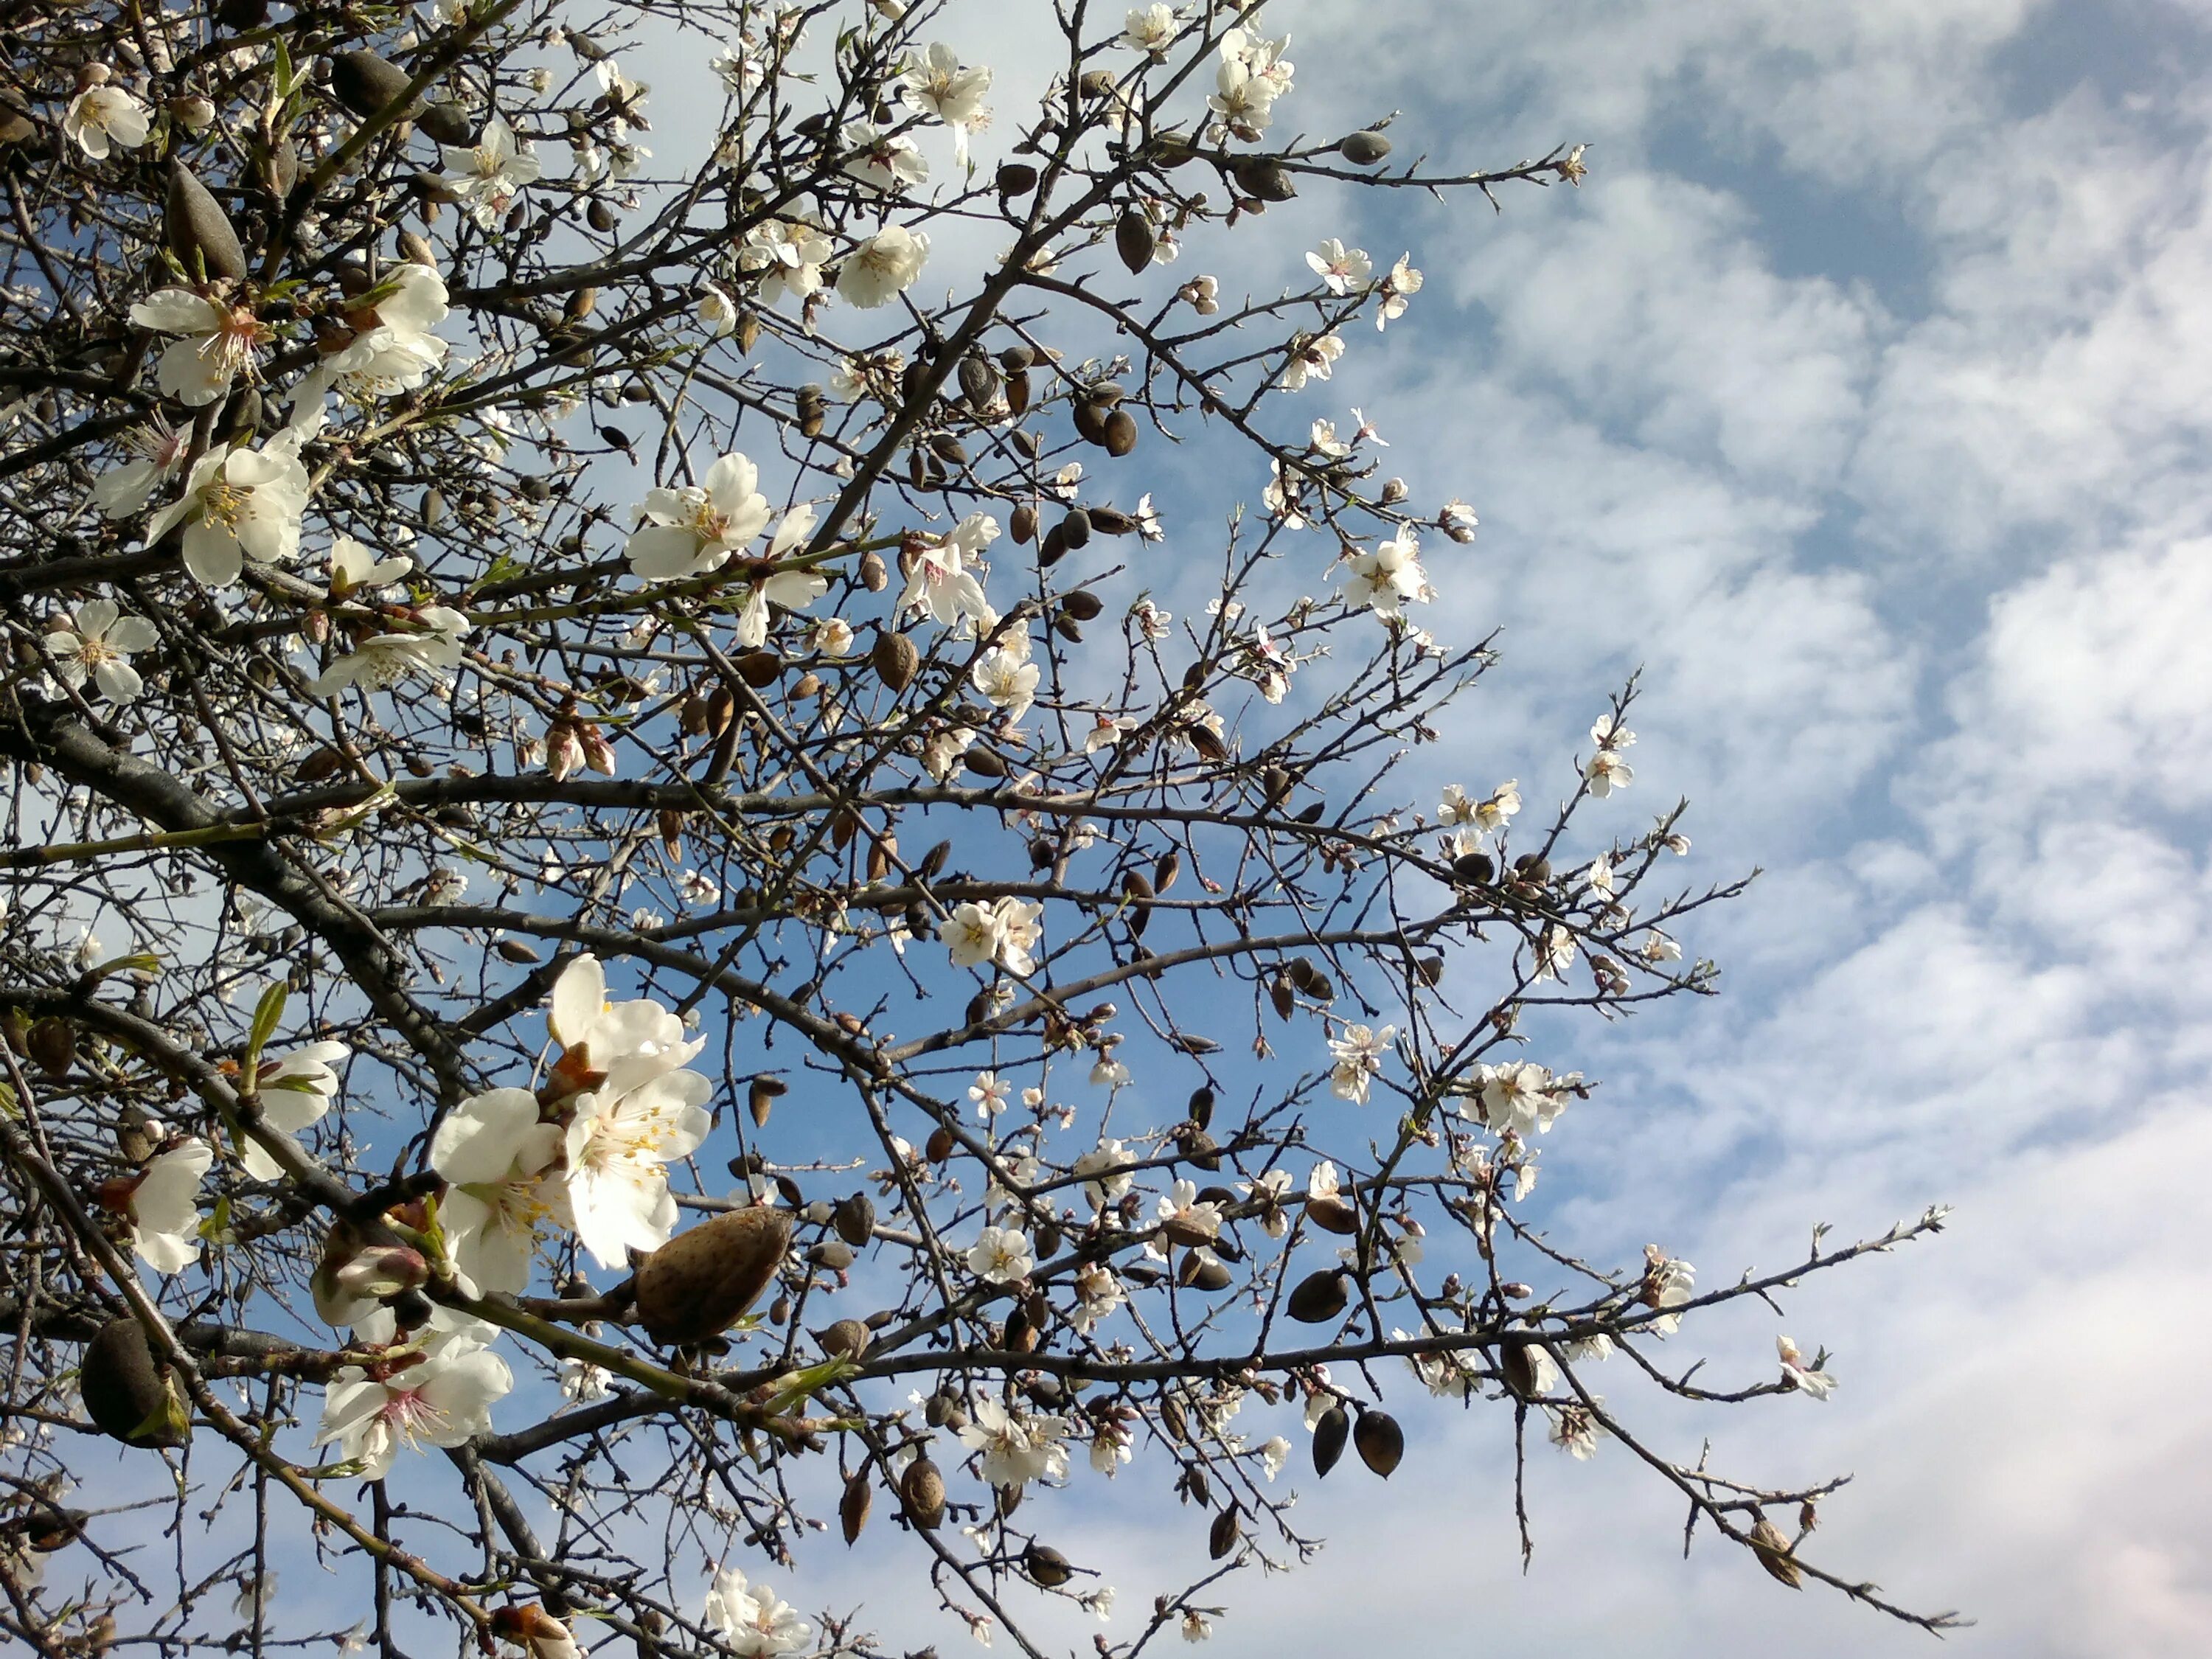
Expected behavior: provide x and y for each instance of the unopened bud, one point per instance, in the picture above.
(383, 1270)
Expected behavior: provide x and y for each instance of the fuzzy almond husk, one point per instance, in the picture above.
(922, 1487)
(1380, 1441)
(125, 1390)
(199, 232)
(365, 83)
(1317, 1299)
(698, 1284)
(853, 1508)
(1330, 1434)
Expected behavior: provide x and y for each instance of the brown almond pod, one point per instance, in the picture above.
(896, 660)
(1264, 180)
(319, 766)
(1023, 525)
(853, 1508)
(365, 83)
(698, 1284)
(1774, 1553)
(1018, 393)
(1330, 1434)
(1164, 871)
(874, 576)
(845, 1339)
(1517, 1364)
(1047, 1565)
(1134, 240)
(1210, 1276)
(1222, 1539)
(52, 1044)
(939, 1146)
(922, 1490)
(125, 1390)
(1017, 179)
(199, 232)
(855, 1219)
(1172, 1422)
(1188, 1234)
(1363, 149)
(447, 122)
(1380, 1441)
(513, 950)
(1333, 1215)
(979, 379)
(1090, 423)
(835, 1254)
(1318, 1297)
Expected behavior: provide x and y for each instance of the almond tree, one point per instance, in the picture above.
(541, 678)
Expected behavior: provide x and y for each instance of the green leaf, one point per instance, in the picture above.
(267, 1012)
(144, 961)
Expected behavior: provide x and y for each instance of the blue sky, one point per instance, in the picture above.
(1857, 396)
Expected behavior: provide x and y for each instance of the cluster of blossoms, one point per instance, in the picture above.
(1004, 932)
(1473, 823)
(1252, 74)
(751, 1619)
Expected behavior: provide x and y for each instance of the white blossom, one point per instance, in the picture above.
(881, 162)
(1400, 285)
(444, 1399)
(100, 647)
(697, 528)
(1799, 1372)
(1313, 358)
(499, 1160)
(1104, 1172)
(1342, 268)
(296, 1089)
(1386, 577)
(164, 1207)
(789, 255)
(939, 86)
(884, 266)
(488, 174)
(1149, 28)
(1357, 1055)
(215, 342)
(753, 1622)
(1002, 1255)
(103, 116)
(1016, 1447)
(237, 505)
(382, 660)
(943, 583)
